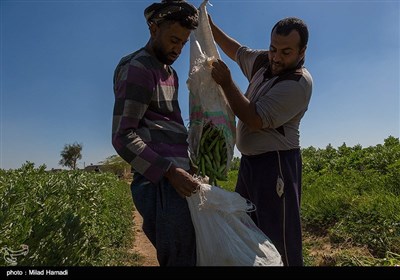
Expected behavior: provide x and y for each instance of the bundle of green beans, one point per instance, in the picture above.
(212, 154)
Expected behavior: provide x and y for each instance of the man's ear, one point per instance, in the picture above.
(153, 29)
(303, 52)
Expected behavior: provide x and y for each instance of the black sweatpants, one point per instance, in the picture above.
(277, 214)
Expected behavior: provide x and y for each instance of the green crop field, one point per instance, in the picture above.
(350, 211)
(350, 205)
(67, 218)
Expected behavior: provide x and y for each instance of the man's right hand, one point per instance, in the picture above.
(182, 181)
(222, 75)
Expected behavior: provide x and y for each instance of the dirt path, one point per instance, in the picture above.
(142, 244)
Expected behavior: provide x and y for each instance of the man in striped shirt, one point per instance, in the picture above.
(148, 132)
(269, 115)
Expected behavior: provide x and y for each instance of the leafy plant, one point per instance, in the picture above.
(66, 218)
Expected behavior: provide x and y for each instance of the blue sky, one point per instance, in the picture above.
(58, 59)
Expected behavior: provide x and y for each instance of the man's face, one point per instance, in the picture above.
(168, 41)
(284, 53)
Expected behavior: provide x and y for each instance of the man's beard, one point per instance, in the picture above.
(276, 71)
(162, 57)
(282, 68)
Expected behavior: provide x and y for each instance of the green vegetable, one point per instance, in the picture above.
(212, 154)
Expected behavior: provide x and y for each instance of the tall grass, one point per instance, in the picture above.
(351, 194)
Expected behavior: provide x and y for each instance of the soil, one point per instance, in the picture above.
(320, 249)
(142, 244)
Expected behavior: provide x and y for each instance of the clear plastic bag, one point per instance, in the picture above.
(225, 233)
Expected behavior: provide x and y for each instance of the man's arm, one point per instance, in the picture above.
(240, 105)
(228, 45)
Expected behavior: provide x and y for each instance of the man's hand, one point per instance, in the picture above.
(182, 181)
(221, 74)
(240, 105)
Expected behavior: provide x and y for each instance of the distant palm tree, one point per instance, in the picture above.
(70, 155)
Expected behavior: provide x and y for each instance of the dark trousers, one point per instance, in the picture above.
(166, 221)
(277, 216)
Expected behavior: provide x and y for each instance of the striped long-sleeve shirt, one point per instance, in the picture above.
(148, 131)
